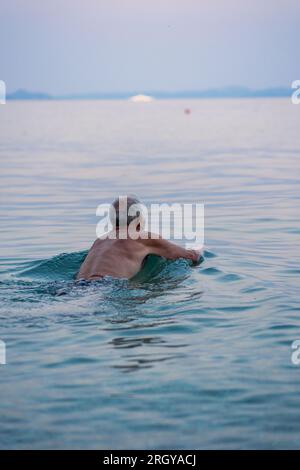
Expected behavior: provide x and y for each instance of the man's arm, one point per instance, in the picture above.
(169, 250)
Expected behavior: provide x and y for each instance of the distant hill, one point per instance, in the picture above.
(28, 95)
(227, 92)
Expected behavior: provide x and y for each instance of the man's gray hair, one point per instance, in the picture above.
(120, 213)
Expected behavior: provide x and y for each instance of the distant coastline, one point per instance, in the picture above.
(227, 92)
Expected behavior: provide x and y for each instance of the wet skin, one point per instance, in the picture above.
(123, 258)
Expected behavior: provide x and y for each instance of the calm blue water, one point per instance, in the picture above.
(180, 357)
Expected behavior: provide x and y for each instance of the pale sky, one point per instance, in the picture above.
(74, 46)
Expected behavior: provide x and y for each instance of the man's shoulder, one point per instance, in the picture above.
(149, 238)
(101, 240)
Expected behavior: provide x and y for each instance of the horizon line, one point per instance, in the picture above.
(217, 92)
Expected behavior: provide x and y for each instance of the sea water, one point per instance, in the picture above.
(181, 356)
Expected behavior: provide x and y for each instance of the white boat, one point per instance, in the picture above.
(141, 99)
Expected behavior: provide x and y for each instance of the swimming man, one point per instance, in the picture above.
(119, 254)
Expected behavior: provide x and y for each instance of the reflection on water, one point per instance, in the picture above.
(180, 356)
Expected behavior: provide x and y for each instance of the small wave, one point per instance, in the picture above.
(46, 282)
(62, 267)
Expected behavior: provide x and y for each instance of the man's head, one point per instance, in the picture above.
(124, 210)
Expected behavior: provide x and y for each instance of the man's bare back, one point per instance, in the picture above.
(124, 258)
